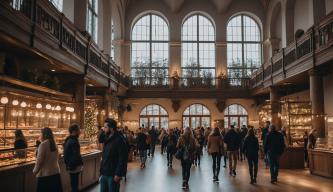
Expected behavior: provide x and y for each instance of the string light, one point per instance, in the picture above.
(15, 102)
(23, 104)
(39, 106)
(4, 100)
(48, 106)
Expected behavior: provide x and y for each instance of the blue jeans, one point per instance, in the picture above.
(274, 165)
(108, 184)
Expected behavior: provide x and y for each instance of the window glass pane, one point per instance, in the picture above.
(234, 29)
(251, 29)
(144, 122)
(189, 30)
(159, 29)
(164, 122)
(206, 29)
(141, 29)
(243, 121)
(205, 121)
(58, 4)
(205, 111)
(234, 121)
(186, 122)
(226, 122)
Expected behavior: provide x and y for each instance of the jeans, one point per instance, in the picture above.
(169, 157)
(186, 169)
(152, 149)
(197, 158)
(74, 181)
(225, 157)
(108, 184)
(253, 165)
(232, 160)
(143, 156)
(274, 165)
(216, 163)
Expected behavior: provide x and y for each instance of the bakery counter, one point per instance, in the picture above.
(19, 177)
(292, 158)
(321, 162)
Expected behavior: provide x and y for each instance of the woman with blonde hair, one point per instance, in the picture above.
(187, 145)
(216, 149)
(47, 168)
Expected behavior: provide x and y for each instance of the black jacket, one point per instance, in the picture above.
(115, 156)
(141, 141)
(274, 143)
(172, 142)
(233, 140)
(251, 146)
(72, 154)
(154, 136)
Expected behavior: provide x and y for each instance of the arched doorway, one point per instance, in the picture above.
(236, 115)
(196, 115)
(154, 115)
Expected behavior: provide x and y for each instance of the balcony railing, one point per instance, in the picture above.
(44, 17)
(189, 83)
(313, 41)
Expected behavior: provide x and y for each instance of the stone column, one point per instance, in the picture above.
(80, 14)
(276, 109)
(80, 96)
(317, 99)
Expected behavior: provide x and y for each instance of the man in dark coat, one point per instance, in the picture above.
(154, 137)
(264, 133)
(233, 141)
(114, 158)
(274, 147)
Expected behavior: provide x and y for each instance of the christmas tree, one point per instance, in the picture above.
(90, 120)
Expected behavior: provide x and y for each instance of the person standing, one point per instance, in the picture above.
(47, 168)
(305, 145)
(233, 141)
(274, 147)
(170, 146)
(243, 133)
(187, 145)
(216, 149)
(250, 149)
(72, 156)
(154, 137)
(114, 158)
(20, 144)
(264, 132)
(141, 142)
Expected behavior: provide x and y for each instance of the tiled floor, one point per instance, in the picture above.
(156, 177)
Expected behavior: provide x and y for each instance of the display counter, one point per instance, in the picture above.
(321, 162)
(292, 158)
(19, 177)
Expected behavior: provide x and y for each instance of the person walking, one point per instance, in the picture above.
(250, 149)
(187, 145)
(154, 138)
(171, 143)
(114, 158)
(264, 132)
(72, 156)
(141, 142)
(225, 154)
(274, 147)
(243, 133)
(216, 149)
(47, 168)
(233, 141)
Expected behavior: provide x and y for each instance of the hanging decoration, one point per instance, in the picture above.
(90, 120)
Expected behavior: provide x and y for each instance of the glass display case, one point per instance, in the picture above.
(296, 118)
(10, 157)
(265, 113)
(30, 114)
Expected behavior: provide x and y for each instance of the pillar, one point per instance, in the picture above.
(317, 99)
(275, 105)
(80, 96)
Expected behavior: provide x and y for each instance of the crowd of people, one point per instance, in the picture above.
(120, 145)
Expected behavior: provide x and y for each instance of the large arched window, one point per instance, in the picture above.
(150, 50)
(243, 48)
(198, 47)
(196, 115)
(154, 115)
(236, 115)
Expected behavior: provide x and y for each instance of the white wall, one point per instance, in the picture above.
(302, 15)
(329, 6)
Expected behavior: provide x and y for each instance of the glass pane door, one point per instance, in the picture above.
(205, 121)
(144, 122)
(154, 121)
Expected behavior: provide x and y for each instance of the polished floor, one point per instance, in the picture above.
(157, 177)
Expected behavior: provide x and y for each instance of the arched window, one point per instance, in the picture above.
(92, 19)
(196, 115)
(150, 50)
(243, 48)
(154, 115)
(198, 47)
(235, 115)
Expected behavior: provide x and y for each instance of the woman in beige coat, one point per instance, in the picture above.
(47, 168)
(216, 150)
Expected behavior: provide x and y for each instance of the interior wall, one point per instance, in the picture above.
(131, 119)
(68, 7)
(329, 6)
(299, 96)
(302, 15)
(328, 93)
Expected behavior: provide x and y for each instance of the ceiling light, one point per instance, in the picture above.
(4, 100)
(53, 70)
(15, 102)
(38, 106)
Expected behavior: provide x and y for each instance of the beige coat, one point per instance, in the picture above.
(215, 144)
(47, 161)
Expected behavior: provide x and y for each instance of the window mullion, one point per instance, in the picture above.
(198, 44)
(242, 31)
(150, 48)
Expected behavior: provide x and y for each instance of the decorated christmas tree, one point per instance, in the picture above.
(90, 120)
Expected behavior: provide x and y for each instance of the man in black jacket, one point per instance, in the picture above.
(233, 141)
(274, 147)
(154, 136)
(72, 156)
(114, 158)
(264, 132)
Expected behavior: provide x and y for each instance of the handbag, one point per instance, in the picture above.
(179, 153)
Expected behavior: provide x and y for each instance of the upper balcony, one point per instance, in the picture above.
(311, 50)
(191, 87)
(37, 26)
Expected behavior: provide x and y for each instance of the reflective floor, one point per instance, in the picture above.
(158, 177)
